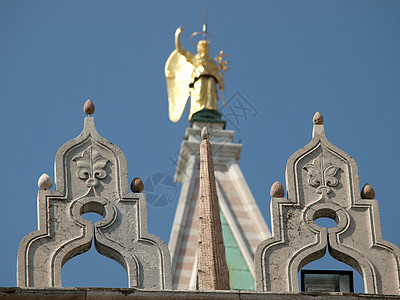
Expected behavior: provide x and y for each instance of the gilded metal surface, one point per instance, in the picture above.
(191, 75)
(177, 72)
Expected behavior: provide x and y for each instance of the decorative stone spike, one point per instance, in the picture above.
(212, 269)
(137, 185)
(45, 182)
(237, 195)
(88, 108)
(318, 119)
(277, 190)
(367, 192)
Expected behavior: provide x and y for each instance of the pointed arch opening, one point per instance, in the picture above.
(329, 262)
(92, 269)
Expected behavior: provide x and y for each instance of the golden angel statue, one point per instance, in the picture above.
(191, 75)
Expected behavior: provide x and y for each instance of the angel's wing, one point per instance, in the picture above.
(178, 72)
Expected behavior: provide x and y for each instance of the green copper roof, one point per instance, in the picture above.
(239, 274)
(207, 116)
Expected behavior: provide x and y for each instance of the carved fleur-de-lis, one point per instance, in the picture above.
(322, 174)
(91, 166)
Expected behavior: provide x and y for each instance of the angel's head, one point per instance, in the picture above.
(202, 47)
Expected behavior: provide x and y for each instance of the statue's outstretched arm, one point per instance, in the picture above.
(189, 56)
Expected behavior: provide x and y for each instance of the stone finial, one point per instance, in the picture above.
(212, 269)
(88, 108)
(277, 190)
(367, 192)
(205, 134)
(137, 185)
(318, 119)
(45, 182)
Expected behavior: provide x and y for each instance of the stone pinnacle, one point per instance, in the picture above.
(205, 135)
(277, 190)
(45, 183)
(367, 192)
(137, 185)
(88, 108)
(212, 270)
(318, 119)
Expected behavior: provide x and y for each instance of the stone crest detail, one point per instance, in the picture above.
(322, 174)
(91, 167)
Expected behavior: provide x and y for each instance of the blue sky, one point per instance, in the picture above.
(288, 59)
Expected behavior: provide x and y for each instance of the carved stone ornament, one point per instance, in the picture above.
(322, 174)
(322, 182)
(91, 176)
(91, 167)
